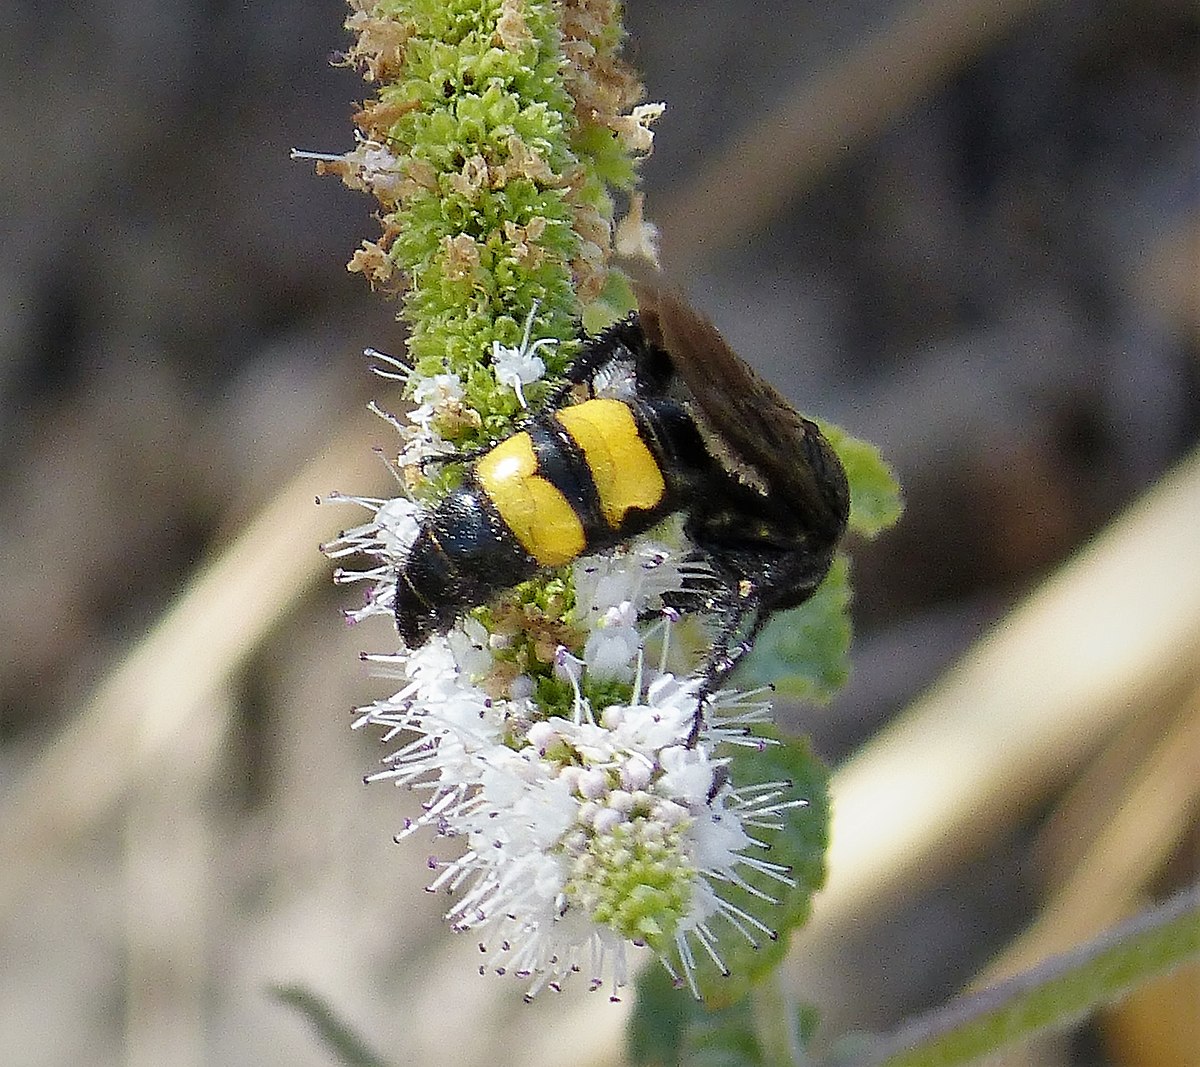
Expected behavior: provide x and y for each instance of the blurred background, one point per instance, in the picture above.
(967, 231)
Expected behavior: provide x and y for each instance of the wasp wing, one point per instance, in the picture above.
(785, 453)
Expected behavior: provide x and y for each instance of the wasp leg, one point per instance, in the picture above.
(621, 341)
(727, 652)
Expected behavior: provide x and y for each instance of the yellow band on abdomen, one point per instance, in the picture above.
(540, 517)
(624, 470)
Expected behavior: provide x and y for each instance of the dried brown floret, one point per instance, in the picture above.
(473, 177)
(635, 238)
(511, 31)
(525, 249)
(525, 162)
(603, 85)
(376, 118)
(461, 255)
(379, 47)
(372, 262)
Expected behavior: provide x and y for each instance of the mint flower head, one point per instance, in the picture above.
(571, 838)
(585, 790)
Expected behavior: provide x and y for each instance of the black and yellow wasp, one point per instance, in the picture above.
(763, 495)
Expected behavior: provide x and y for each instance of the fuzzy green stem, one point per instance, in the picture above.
(776, 1023)
(1051, 995)
(498, 128)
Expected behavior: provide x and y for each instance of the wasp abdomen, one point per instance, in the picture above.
(625, 473)
(575, 480)
(461, 556)
(519, 480)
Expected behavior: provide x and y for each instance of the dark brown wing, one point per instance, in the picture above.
(758, 425)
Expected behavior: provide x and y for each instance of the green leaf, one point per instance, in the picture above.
(808, 1019)
(875, 502)
(804, 653)
(660, 1020)
(343, 1044)
(668, 1028)
(613, 304)
(724, 1038)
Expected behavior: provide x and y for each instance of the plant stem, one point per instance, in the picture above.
(1051, 995)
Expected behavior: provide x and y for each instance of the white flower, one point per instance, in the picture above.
(635, 576)
(611, 647)
(439, 395)
(389, 531)
(397, 520)
(516, 367)
(581, 837)
(369, 166)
